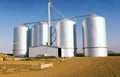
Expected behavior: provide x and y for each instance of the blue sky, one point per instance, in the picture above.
(15, 12)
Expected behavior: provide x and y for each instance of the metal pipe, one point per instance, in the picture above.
(30, 23)
(59, 19)
(49, 24)
(74, 17)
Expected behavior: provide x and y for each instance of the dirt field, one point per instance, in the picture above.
(72, 67)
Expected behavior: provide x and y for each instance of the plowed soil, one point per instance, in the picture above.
(70, 67)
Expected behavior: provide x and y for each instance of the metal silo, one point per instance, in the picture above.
(65, 31)
(20, 41)
(30, 37)
(41, 34)
(94, 36)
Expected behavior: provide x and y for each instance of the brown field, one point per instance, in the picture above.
(70, 67)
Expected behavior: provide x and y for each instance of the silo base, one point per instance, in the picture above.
(95, 52)
(22, 53)
(67, 52)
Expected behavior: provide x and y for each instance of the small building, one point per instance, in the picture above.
(43, 51)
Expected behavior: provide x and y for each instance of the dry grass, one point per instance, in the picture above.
(70, 67)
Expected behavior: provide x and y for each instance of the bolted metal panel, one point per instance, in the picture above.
(41, 34)
(94, 36)
(20, 41)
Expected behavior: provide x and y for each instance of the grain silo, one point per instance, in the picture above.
(94, 36)
(31, 37)
(65, 31)
(41, 34)
(20, 41)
